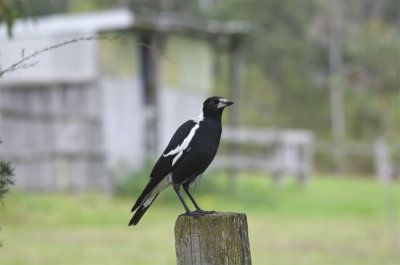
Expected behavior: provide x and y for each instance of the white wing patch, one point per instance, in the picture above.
(177, 157)
(178, 151)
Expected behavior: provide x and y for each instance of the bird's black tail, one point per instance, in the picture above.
(146, 198)
(140, 212)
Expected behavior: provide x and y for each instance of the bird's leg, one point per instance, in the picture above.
(198, 209)
(186, 189)
(177, 188)
(188, 212)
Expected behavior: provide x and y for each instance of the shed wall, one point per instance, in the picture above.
(52, 134)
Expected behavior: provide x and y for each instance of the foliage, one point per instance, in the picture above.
(6, 173)
(133, 183)
(9, 11)
(280, 62)
(372, 81)
(286, 79)
(5, 177)
(287, 65)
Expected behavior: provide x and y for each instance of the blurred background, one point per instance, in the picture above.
(310, 151)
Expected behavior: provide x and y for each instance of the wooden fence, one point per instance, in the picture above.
(356, 157)
(277, 152)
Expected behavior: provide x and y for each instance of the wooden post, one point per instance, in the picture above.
(235, 72)
(219, 238)
(335, 86)
(383, 165)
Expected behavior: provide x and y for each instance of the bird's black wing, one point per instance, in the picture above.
(169, 159)
(166, 163)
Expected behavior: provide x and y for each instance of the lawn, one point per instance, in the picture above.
(333, 221)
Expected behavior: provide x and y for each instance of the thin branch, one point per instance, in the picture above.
(22, 64)
(156, 51)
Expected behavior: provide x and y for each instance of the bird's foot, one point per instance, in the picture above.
(204, 212)
(198, 212)
(195, 214)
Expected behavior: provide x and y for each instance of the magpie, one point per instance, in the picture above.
(189, 153)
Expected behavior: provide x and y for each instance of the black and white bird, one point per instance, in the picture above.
(188, 154)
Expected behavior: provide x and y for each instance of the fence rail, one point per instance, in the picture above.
(278, 152)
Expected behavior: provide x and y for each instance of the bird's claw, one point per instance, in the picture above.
(198, 213)
(204, 212)
(195, 214)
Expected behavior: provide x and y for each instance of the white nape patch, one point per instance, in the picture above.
(164, 183)
(200, 117)
(184, 144)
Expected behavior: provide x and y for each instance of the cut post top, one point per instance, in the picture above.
(211, 239)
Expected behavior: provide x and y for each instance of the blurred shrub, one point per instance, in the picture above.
(5, 177)
(6, 173)
(353, 164)
(134, 182)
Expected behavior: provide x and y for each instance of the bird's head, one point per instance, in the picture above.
(213, 106)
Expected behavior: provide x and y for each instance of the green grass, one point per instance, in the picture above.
(333, 221)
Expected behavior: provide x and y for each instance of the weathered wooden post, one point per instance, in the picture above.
(212, 239)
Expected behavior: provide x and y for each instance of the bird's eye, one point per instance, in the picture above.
(212, 102)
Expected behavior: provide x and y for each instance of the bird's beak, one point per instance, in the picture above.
(223, 103)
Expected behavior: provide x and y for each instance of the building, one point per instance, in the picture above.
(78, 112)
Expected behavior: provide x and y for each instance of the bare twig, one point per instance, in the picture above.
(23, 63)
(156, 51)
